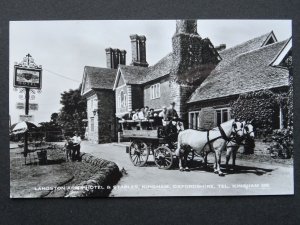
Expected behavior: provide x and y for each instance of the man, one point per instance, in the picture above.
(171, 129)
(141, 114)
(151, 114)
(129, 115)
(172, 113)
(163, 114)
(136, 115)
(146, 112)
(76, 146)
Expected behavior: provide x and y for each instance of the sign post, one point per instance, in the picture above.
(27, 76)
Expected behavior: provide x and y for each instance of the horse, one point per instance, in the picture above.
(236, 141)
(203, 142)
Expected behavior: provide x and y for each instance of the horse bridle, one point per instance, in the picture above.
(247, 129)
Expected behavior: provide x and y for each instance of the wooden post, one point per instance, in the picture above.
(26, 113)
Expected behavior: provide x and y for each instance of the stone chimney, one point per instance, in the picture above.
(221, 47)
(138, 49)
(123, 57)
(186, 26)
(114, 57)
(191, 54)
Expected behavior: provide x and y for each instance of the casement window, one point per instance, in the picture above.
(123, 99)
(92, 124)
(155, 91)
(119, 101)
(194, 122)
(222, 115)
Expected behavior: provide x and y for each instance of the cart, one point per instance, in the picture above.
(148, 138)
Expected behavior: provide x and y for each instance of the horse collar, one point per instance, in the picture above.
(223, 133)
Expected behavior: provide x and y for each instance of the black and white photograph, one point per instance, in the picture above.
(150, 108)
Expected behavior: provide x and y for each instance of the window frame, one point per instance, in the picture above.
(155, 91)
(194, 121)
(221, 111)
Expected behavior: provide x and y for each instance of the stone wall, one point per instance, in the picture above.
(101, 183)
(93, 135)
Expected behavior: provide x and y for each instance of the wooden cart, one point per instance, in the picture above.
(146, 139)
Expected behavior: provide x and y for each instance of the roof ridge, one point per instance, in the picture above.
(263, 47)
(249, 41)
(163, 58)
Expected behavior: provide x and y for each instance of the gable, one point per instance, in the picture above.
(120, 81)
(283, 55)
(86, 86)
(270, 39)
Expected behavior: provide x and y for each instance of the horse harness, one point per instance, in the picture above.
(234, 139)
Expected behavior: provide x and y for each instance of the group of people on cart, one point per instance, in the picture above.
(146, 114)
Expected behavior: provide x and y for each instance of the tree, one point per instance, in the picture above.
(73, 112)
(54, 117)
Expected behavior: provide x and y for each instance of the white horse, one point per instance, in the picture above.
(236, 141)
(204, 142)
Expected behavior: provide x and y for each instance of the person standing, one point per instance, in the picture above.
(76, 146)
(172, 113)
(141, 113)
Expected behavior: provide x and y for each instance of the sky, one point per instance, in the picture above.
(63, 48)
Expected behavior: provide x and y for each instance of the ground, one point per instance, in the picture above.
(254, 176)
(28, 180)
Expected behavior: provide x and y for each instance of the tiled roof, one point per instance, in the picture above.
(99, 78)
(160, 69)
(133, 74)
(249, 71)
(247, 46)
(141, 75)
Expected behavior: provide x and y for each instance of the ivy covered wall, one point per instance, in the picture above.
(263, 107)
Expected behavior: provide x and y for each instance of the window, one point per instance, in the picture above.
(155, 91)
(123, 99)
(92, 124)
(194, 122)
(222, 115)
(119, 101)
(95, 103)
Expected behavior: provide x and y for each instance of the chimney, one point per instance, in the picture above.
(114, 57)
(186, 27)
(138, 49)
(109, 57)
(221, 47)
(122, 57)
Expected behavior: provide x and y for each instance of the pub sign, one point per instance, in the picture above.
(28, 77)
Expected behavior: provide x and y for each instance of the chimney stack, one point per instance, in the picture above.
(221, 47)
(138, 49)
(114, 57)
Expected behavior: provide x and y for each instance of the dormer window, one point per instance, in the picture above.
(270, 39)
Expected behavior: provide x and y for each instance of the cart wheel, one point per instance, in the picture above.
(138, 153)
(163, 157)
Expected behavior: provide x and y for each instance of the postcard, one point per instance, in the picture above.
(150, 108)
